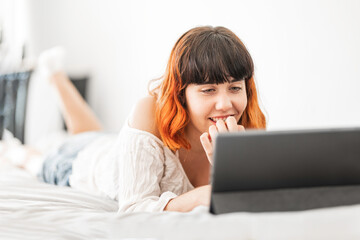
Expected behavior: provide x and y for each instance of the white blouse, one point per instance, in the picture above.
(136, 169)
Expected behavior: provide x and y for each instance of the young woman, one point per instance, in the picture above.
(162, 157)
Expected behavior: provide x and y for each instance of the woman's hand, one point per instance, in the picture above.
(207, 139)
(203, 194)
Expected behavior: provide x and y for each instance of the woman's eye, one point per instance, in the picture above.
(235, 89)
(208, 90)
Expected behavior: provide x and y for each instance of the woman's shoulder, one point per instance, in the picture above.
(143, 116)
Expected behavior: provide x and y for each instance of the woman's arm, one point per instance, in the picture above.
(201, 195)
(188, 201)
(143, 118)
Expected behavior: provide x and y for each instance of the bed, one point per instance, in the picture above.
(30, 209)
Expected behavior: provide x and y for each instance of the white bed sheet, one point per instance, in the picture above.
(33, 210)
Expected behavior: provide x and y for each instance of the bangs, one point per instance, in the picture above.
(215, 58)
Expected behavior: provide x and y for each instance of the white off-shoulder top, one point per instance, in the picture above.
(134, 168)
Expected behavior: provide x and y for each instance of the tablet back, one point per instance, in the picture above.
(285, 170)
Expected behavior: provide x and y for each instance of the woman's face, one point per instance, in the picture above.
(207, 103)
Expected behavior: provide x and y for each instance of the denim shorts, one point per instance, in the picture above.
(57, 166)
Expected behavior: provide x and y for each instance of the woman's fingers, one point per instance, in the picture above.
(213, 131)
(207, 145)
(221, 127)
(231, 124)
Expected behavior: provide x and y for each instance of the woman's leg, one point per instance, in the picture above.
(78, 118)
(77, 113)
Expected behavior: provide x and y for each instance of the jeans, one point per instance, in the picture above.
(57, 166)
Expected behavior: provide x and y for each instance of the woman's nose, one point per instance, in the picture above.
(223, 102)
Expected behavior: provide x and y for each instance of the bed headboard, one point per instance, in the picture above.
(13, 100)
(13, 96)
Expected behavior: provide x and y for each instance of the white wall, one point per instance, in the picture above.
(306, 53)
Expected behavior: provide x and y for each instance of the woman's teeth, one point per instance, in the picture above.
(215, 119)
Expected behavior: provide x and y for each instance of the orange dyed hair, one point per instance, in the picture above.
(203, 55)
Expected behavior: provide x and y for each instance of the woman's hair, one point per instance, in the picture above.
(210, 55)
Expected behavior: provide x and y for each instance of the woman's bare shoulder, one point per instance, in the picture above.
(143, 116)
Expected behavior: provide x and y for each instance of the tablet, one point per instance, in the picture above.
(260, 171)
